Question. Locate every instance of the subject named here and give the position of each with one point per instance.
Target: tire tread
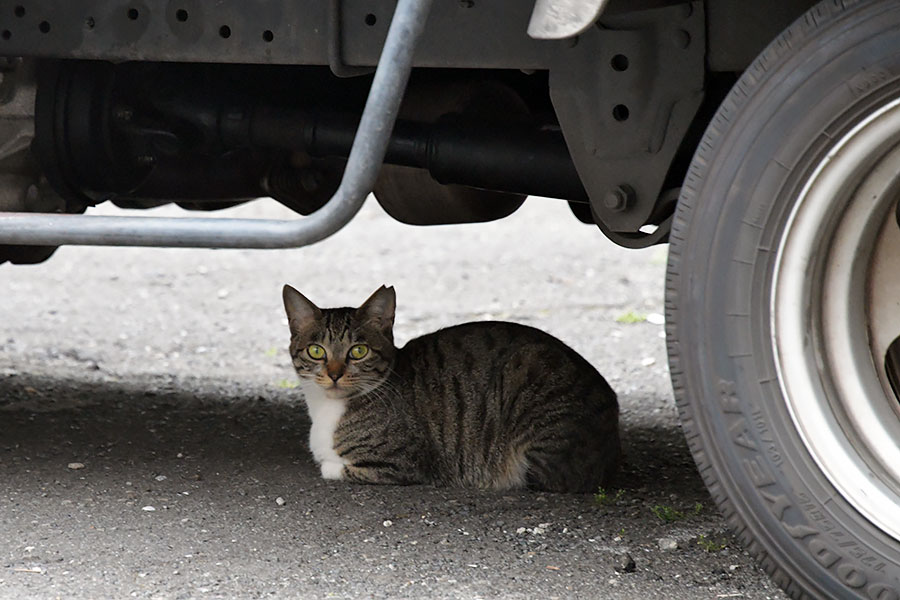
(823, 15)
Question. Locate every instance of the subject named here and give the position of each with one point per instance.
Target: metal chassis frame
(362, 169)
(346, 34)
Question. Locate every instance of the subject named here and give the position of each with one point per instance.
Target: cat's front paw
(332, 470)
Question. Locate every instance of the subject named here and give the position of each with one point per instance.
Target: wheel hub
(836, 310)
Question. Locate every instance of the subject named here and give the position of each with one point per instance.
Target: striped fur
(486, 405)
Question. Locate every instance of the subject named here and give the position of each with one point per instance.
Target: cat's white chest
(325, 414)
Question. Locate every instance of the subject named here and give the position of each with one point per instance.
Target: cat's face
(344, 351)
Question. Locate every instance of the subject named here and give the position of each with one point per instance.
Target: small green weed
(698, 508)
(605, 498)
(272, 352)
(631, 317)
(286, 384)
(710, 545)
(666, 514)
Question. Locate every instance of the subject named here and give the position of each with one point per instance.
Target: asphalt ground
(152, 441)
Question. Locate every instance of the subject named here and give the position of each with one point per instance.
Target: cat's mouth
(334, 389)
(342, 389)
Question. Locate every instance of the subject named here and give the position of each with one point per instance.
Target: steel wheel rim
(830, 316)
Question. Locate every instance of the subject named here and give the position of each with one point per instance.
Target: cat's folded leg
(379, 474)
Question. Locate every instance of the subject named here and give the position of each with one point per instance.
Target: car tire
(779, 294)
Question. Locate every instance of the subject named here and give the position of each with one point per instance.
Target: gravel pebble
(668, 544)
(76, 466)
(279, 501)
(148, 508)
(656, 319)
(625, 563)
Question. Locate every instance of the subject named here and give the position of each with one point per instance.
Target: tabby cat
(486, 405)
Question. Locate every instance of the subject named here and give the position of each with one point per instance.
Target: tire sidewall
(771, 131)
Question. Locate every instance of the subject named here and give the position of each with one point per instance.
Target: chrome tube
(362, 168)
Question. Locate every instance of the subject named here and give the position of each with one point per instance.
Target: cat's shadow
(45, 419)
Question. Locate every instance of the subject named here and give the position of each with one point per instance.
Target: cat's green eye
(359, 351)
(315, 351)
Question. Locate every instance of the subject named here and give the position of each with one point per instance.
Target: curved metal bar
(363, 165)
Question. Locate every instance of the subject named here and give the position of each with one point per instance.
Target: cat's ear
(300, 311)
(380, 306)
